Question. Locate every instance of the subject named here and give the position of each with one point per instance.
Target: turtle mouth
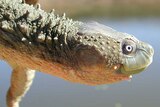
(131, 72)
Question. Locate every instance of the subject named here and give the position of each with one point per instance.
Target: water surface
(142, 91)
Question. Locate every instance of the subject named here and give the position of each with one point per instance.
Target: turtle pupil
(127, 49)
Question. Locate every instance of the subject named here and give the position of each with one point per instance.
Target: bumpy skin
(87, 53)
(60, 41)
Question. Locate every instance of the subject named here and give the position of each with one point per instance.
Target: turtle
(81, 52)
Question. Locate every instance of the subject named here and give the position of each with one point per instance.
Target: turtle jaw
(139, 62)
(122, 70)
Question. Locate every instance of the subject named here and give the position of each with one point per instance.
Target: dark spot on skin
(92, 37)
(100, 37)
(80, 33)
(85, 37)
(79, 38)
(118, 42)
(108, 42)
(89, 39)
(95, 40)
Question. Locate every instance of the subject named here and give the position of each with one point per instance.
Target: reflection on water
(142, 91)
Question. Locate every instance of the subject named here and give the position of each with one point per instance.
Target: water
(142, 91)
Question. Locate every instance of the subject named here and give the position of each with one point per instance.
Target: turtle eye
(128, 47)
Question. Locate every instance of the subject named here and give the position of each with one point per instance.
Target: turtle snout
(149, 49)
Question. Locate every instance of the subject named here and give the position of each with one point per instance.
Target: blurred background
(138, 17)
(104, 8)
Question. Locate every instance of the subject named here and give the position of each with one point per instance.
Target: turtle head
(136, 55)
(118, 48)
(105, 55)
